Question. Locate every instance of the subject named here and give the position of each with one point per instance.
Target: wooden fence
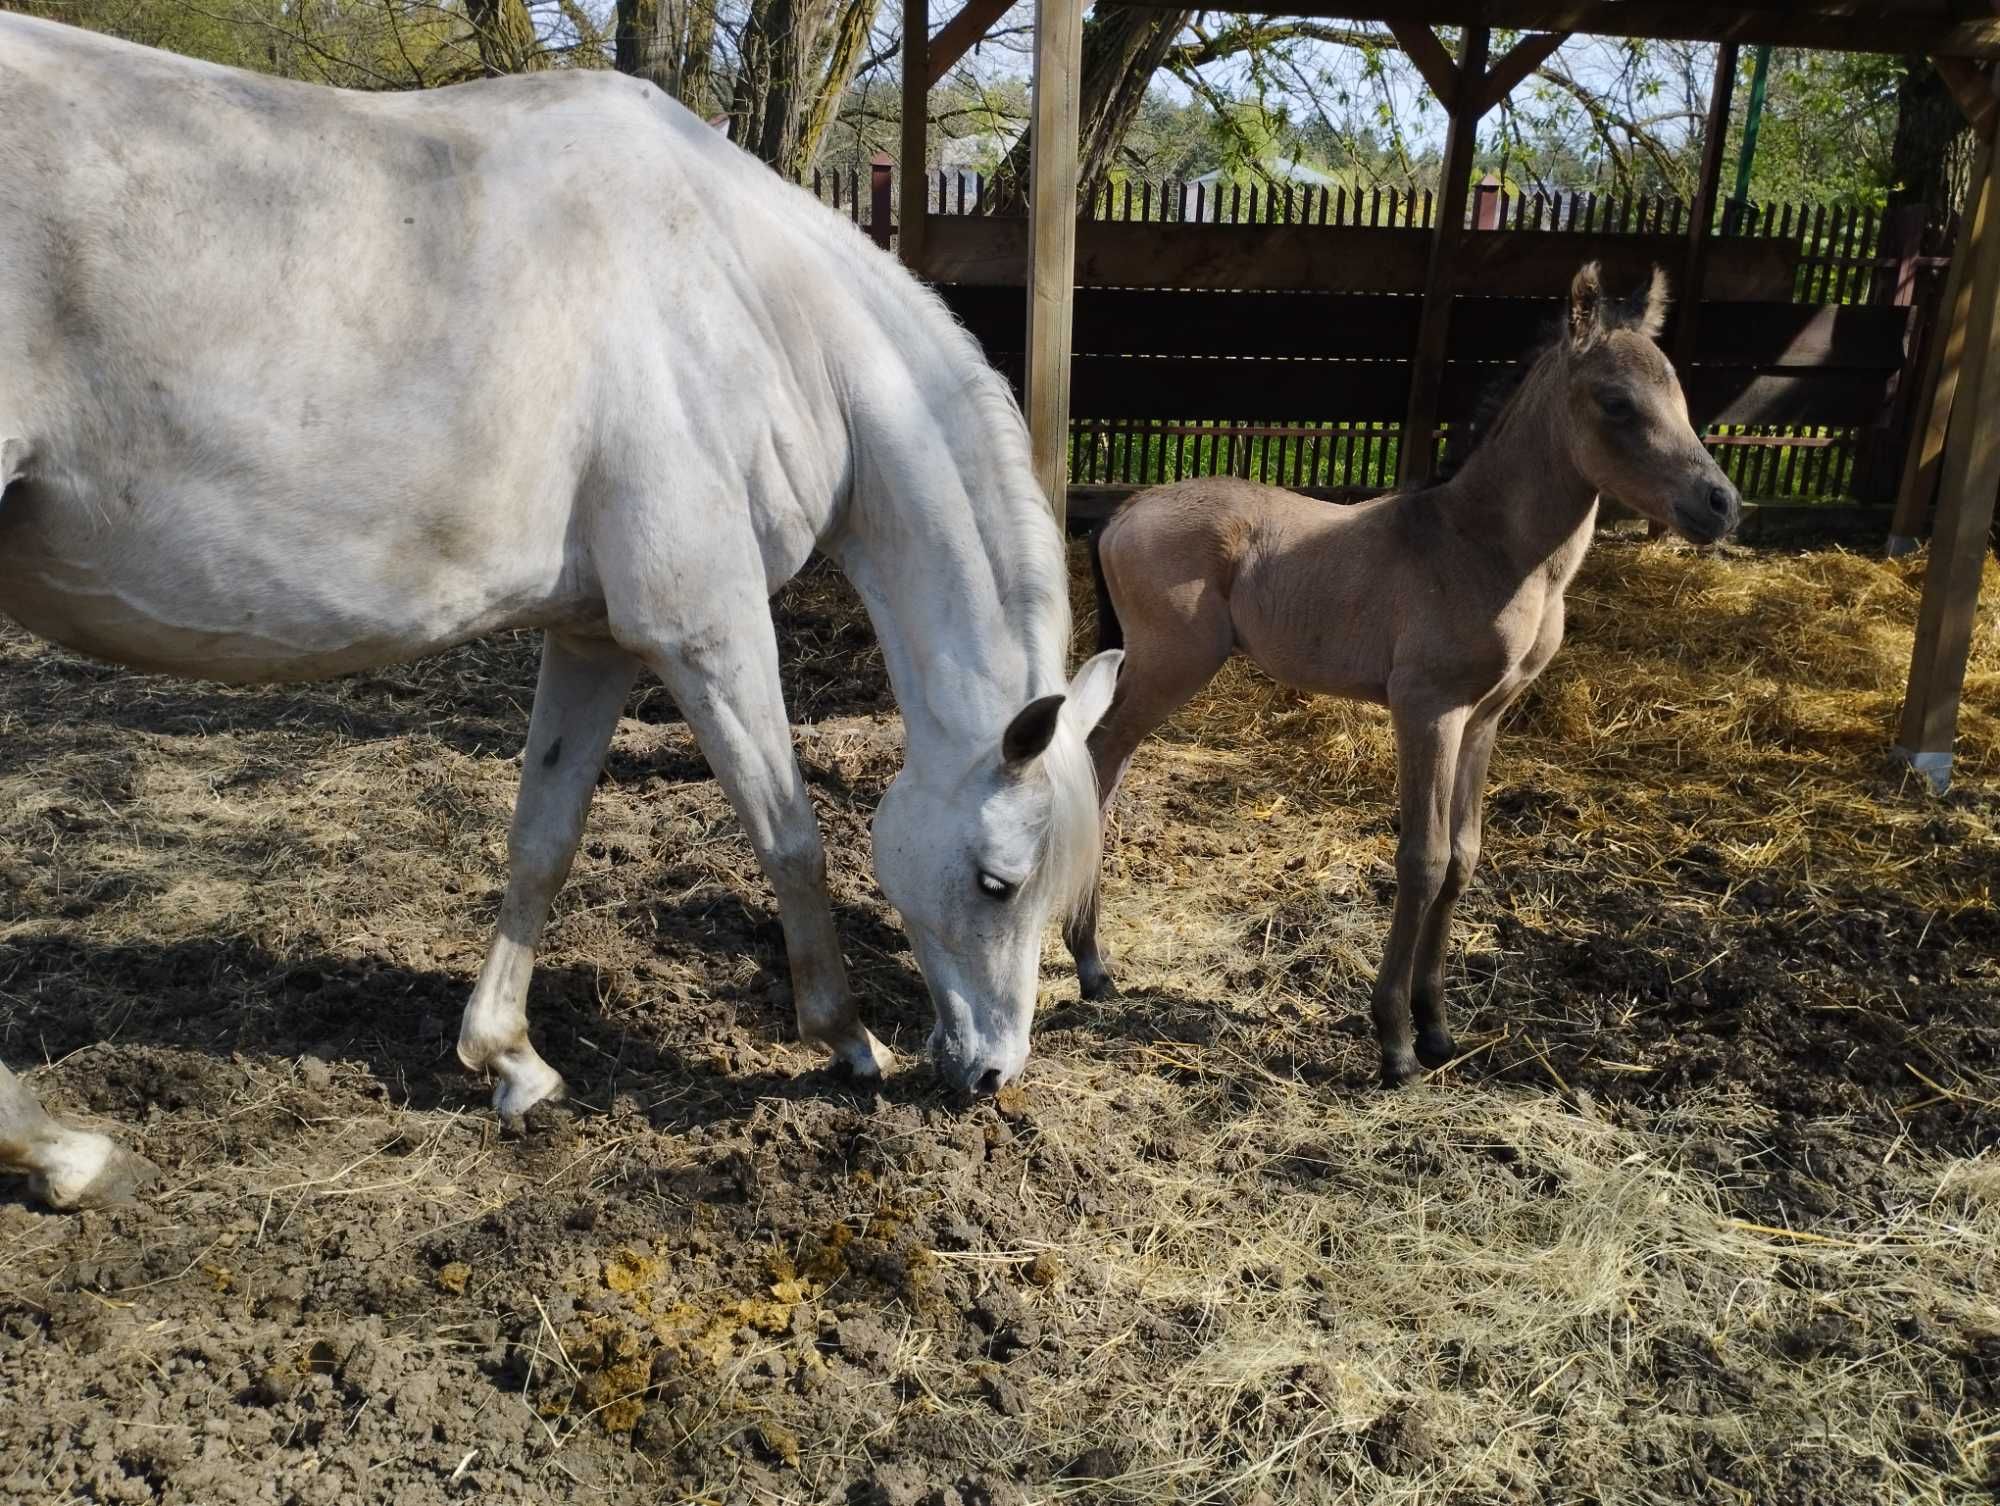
(1266, 331)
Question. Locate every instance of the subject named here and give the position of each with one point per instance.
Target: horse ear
(1028, 736)
(1586, 306)
(1653, 304)
(13, 460)
(1091, 691)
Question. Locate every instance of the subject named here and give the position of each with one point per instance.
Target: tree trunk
(506, 36)
(1925, 149)
(697, 75)
(850, 42)
(1123, 47)
(642, 48)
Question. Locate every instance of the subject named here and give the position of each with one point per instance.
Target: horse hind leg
(67, 1168)
(578, 699)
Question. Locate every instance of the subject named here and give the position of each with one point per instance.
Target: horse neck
(1520, 492)
(958, 561)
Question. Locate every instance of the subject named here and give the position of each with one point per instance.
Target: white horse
(295, 382)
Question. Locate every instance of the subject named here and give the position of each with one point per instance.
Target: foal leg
(720, 660)
(577, 701)
(1427, 744)
(1166, 663)
(67, 1168)
(1435, 1046)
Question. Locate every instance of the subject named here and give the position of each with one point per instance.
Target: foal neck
(1519, 492)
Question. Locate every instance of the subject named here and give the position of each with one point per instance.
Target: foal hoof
(1436, 1048)
(1400, 1071)
(96, 1172)
(1096, 985)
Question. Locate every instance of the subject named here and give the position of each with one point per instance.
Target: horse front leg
(1435, 1045)
(578, 699)
(720, 661)
(66, 1168)
(1427, 744)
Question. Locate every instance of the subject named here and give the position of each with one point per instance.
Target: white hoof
(90, 1171)
(525, 1080)
(864, 1056)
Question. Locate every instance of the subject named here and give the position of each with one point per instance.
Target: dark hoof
(1400, 1071)
(1097, 986)
(1436, 1048)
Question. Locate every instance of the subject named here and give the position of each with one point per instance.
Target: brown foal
(1442, 603)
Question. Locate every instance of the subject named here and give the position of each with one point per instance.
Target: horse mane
(1019, 538)
(1489, 411)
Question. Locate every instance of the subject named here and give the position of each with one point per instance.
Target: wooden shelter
(1958, 462)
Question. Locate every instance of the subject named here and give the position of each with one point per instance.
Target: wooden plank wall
(1268, 333)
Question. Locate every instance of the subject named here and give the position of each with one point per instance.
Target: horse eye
(995, 887)
(1616, 405)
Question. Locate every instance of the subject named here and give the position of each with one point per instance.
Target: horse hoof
(1096, 986)
(1436, 1048)
(864, 1058)
(1400, 1071)
(96, 1172)
(521, 1089)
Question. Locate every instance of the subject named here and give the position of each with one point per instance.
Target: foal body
(1442, 603)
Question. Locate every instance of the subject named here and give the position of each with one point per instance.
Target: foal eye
(1616, 405)
(995, 887)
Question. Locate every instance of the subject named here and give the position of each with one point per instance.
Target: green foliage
(365, 44)
(1828, 125)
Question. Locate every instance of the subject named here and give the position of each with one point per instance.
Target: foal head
(1628, 431)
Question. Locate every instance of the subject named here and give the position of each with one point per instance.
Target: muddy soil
(1720, 1158)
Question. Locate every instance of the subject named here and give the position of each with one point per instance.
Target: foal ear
(1091, 691)
(1028, 736)
(1586, 306)
(1652, 305)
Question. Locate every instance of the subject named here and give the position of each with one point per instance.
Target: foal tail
(1110, 632)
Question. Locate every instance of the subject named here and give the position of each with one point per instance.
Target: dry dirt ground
(1709, 1212)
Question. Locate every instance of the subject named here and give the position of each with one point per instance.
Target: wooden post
(1895, 286)
(1486, 204)
(1694, 266)
(916, 133)
(1933, 411)
(881, 200)
(1694, 263)
(1966, 492)
(1057, 109)
(1418, 446)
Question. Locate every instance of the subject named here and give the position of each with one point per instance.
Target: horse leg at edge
(67, 1168)
(1162, 673)
(1435, 1045)
(578, 699)
(723, 672)
(1427, 744)
(1080, 929)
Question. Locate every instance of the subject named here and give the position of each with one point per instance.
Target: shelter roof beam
(1431, 60)
(1966, 28)
(1522, 59)
(961, 34)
